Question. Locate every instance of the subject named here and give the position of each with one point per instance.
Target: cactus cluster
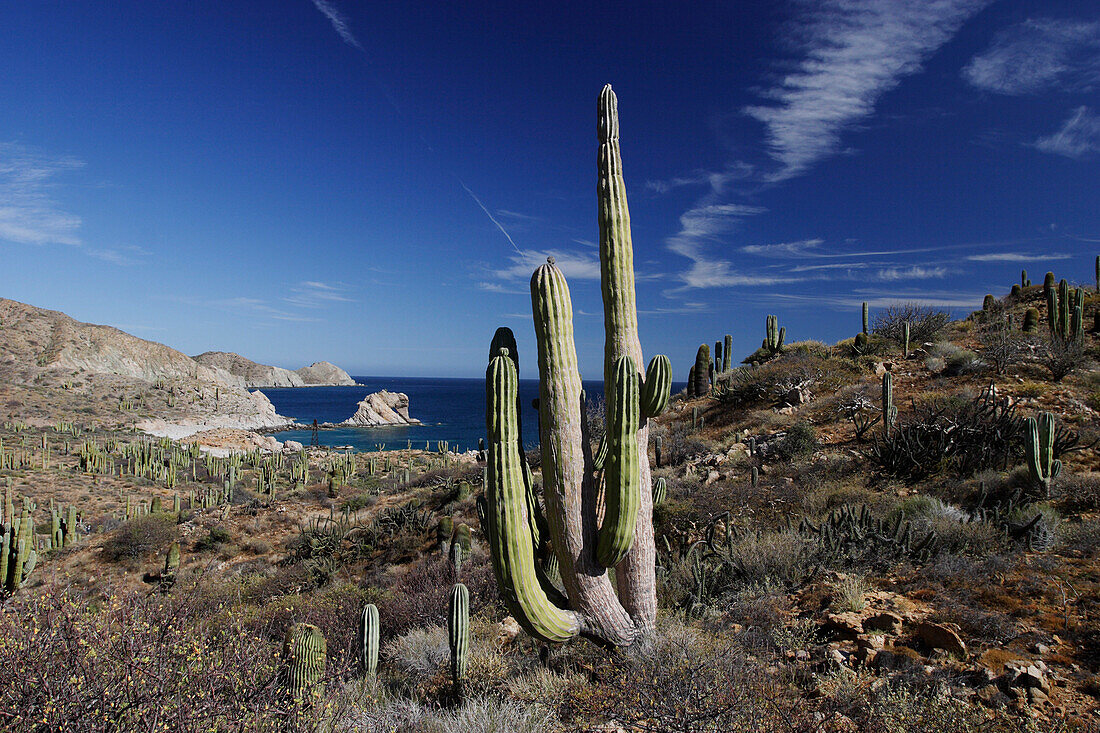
(1042, 466)
(849, 532)
(580, 547)
(1065, 312)
(17, 553)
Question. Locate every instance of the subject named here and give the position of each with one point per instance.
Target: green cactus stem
(458, 631)
(1048, 284)
(658, 442)
(371, 631)
(866, 329)
(1024, 281)
(172, 559)
(660, 491)
(775, 336)
(727, 352)
(1031, 320)
(701, 371)
(905, 340)
(304, 652)
(657, 387)
(889, 411)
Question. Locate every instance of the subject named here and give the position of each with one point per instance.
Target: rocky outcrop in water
(325, 374)
(382, 408)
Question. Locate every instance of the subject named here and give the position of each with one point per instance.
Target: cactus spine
(594, 609)
(727, 352)
(458, 631)
(371, 631)
(1042, 466)
(304, 651)
(702, 371)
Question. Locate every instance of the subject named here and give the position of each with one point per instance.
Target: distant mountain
(320, 373)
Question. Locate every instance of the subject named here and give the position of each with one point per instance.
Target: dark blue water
(451, 409)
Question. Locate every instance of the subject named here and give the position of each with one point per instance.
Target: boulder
(292, 446)
(382, 408)
(941, 636)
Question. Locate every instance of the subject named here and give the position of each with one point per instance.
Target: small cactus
(1031, 320)
(866, 330)
(1042, 466)
(727, 352)
(371, 631)
(889, 411)
(458, 631)
(660, 491)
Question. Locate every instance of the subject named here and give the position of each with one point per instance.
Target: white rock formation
(382, 408)
(324, 374)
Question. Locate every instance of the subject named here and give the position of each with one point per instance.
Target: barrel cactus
(581, 547)
(1031, 320)
(304, 652)
(458, 631)
(371, 630)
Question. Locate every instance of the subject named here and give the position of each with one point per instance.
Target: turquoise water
(451, 409)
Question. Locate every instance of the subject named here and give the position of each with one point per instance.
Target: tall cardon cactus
(1042, 466)
(727, 352)
(701, 373)
(609, 614)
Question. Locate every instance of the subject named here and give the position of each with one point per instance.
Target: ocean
(452, 410)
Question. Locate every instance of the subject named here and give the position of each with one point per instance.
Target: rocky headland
(252, 374)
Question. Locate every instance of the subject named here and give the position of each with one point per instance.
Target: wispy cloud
(1079, 136)
(800, 248)
(574, 265)
(879, 299)
(338, 21)
(916, 272)
(29, 213)
(315, 294)
(1016, 257)
(127, 254)
(716, 180)
(854, 52)
(704, 225)
(1039, 55)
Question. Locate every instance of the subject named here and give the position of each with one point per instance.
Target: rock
(292, 446)
(507, 631)
(847, 625)
(887, 621)
(940, 636)
(712, 476)
(382, 408)
(253, 374)
(323, 373)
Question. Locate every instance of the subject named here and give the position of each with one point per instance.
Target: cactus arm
(568, 481)
(622, 474)
(657, 387)
(509, 527)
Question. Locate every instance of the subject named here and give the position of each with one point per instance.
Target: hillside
(815, 572)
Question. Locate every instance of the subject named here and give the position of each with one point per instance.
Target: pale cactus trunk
(635, 575)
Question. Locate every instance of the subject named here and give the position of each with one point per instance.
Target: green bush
(140, 537)
(800, 441)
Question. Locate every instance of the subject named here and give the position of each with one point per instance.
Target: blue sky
(373, 183)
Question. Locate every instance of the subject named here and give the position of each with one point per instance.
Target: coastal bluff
(253, 374)
(382, 408)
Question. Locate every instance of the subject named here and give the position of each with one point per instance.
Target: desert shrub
(1032, 390)
(799, 442)
(1082, 537)
(214, 539)
(1062, 357)
(848, 593)
(962, 361)
(131, 663)
(966, 436)
(1079, 491)
(680, 442)
(419, 652)
(924, 322)
(810, 369)
(416, 595)
(140, 537)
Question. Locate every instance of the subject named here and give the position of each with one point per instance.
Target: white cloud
(128, 254)
(1079, 136)
(717, 181)
(29, 214)
(801, 248)
(1038, 55)
(574, 265)
(338, 21)
(916, 272)
(315, 294)
(1016, 257)
(855, 51)
(702, 225)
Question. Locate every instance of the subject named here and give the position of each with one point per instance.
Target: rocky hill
(54, 368)
(252, 374)
(323, 373)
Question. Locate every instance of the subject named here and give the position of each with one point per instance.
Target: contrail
(491, 218)
(340, 25)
